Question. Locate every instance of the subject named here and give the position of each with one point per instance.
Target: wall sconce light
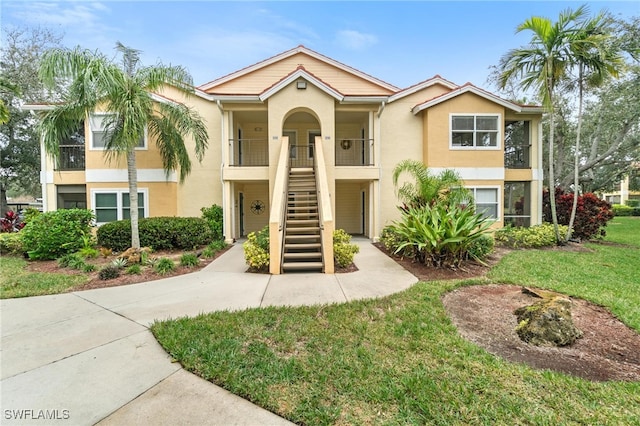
(301, 84)
(257, 129)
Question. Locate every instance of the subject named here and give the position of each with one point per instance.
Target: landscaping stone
(547, 322)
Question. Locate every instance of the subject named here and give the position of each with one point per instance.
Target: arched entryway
(301, 127)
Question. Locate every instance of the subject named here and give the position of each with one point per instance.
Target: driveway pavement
(88, 357)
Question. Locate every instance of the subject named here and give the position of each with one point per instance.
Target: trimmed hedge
(625, 210)
(159, 233)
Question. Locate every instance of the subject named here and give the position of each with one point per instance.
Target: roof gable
(301, 73)
(470, 88)
(436, 79)
(257, 78)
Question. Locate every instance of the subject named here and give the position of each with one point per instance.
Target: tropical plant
(164, 266)
(11, 222)
(343, 250)
(542, 65)
(592, 213)
(134, 270)
(213, 215)
(256, 249)
(596, 58)
(439, 235)
(96, 82)
(109, 272)
(119, 262)
(427, 188)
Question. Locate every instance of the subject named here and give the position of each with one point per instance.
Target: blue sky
(402, 43)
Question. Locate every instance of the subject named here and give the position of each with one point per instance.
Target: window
(475, 131)
(112, 205)
(517, 204)
(486, 201)
(99, 124)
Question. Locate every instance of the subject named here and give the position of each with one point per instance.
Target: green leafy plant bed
(22, 278)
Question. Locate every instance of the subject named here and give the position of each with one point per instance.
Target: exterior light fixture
(301, 84)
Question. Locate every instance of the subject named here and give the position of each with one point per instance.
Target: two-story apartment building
(306, 144)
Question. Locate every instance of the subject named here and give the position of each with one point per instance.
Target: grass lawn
(17, 281)
(399, 360)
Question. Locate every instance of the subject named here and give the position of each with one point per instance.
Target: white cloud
(76, 14)
(355, 40)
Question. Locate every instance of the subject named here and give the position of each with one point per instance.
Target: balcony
(517, 157)
(248, 152)
(71, 158)
(354, 152)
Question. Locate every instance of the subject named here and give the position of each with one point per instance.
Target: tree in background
(21, 52)
(125, 91)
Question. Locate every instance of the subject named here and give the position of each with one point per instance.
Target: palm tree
(8, 87)
(542, 66)
(428, 189)
(96, 82)
(596, 59)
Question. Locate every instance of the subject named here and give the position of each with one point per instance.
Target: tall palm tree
(125, 91)
(542, 65)
(427, 188)
(596, 59)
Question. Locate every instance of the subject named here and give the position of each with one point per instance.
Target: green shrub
(189, 260)
(343, 250)
(134, 269)
(531, 237)
(53, 234)
(72, 260)
(208, 252)
(88, 252)
(159, 233)
(633, 203)
(164, 266)
(622, 210)
(11, 243)
(213, 216)
(391, 240)
(88, 267)
(256, 249)
(439, 235)
(481, 247)
(109, 272)
(217, 245)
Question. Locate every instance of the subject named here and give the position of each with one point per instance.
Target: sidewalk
(88, 357)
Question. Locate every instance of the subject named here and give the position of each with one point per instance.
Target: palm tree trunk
(132, 173)
(552, 178)
(576, 164)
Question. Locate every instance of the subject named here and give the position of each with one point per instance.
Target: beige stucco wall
(162, 195)
(348, 202)
(258, 191)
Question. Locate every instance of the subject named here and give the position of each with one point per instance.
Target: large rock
(547, 322)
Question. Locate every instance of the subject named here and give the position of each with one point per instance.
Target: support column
(228, 216)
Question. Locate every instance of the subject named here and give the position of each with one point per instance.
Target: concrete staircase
(302, 242)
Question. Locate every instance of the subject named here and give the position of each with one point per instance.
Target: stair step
(302, 266)
(307, 215)
(303, 255)
(301, 170)
(302, 237)
(295, 222)
(301, 246)
(303, 230)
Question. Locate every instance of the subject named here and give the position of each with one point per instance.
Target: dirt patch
(609, 350)
(147, 273)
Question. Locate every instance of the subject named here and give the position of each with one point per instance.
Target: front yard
(400, 360)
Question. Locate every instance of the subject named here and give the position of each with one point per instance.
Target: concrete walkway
(88, 357)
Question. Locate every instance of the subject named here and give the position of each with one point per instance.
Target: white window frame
(475, 115)
(119, 206)
(498, 201)
(91, 130)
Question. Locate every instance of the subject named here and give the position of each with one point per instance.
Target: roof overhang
(422, 85)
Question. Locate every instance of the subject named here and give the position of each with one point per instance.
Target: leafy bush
(160, 233)
(119, 262)
(88, 267)
(592, 213)
(134, 270)
(164, 266)
(11, 222)
(11, 243)
(633, 203)
(213, 216)
(72, 260)
(481, 247)
(256, 249)
(622, 210)
(531, 237)
(53, 234)
(343, 250)
(391, 240)
(109, 272)
(439, 235)
(189, 260)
